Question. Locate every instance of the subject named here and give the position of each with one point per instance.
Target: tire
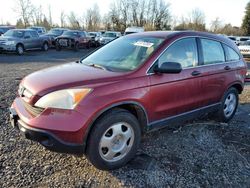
(108, 149)
(20, 49)
(45, 46)
(58, 47)
(76, 47)
(88, 45)
(229, 105)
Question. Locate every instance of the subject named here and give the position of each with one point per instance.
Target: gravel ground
(200, 153)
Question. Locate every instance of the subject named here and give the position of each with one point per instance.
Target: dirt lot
(202, 153)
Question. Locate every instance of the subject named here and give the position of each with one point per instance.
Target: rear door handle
(195, 73)
(227, 68)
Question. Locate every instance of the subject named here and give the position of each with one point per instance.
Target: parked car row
(33, 38)
(239, 40)
(20, 40)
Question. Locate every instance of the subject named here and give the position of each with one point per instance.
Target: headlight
(10, 42)
(63, 99)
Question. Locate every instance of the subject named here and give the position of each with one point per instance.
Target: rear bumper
(45, 138)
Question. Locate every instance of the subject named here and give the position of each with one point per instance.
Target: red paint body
(161, 95)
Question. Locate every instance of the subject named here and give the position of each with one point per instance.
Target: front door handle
(195, 73)
(227, 68)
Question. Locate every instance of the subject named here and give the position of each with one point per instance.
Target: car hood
(4, 38)
(67, 76)
(108, 38)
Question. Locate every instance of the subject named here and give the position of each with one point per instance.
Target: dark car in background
(38, 29)
(4, 29)
(141, 82)
(55, 32)
(73, 39)
(21, 40)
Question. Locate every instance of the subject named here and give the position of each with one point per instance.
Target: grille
(35, 111)
(244, 50)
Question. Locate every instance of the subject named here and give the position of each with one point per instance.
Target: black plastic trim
(182, 117)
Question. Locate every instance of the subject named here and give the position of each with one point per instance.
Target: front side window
(183, 51)
(212, 52)
(124, 54)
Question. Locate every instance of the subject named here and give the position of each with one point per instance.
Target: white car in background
(242, 40)
(109, 36)
(133, 29)
(234, 39)
(244, 48)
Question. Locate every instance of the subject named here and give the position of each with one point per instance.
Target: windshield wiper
(97, 66)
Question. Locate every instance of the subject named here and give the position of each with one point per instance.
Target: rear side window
(34, 34)
(212, 51)
(231, 54)
(183, 51)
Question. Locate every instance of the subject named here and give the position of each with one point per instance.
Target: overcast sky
(229, 11)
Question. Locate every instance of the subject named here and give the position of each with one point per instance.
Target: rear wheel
(114, 140)
(45, 46)
(76, 47)
(229, 105)
(19, 49)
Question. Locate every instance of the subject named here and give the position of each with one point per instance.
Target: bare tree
(38, 15)
(73, 21)
(24, 9)
(62, 19)
(93, 18)
(216, 25)
(50, 16)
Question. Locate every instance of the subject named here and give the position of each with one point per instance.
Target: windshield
(14, 33)
(55, 32)
(70, 33)
(124, 54)
(246, 43)
(109, 34)
(92, 34)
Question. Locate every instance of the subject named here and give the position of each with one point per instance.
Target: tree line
(150, 14)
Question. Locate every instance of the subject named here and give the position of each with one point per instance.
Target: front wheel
(20, 49)
(114, 140)
(229, 105)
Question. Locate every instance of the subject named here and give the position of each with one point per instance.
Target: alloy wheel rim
(230, 105)
(20, 49)
(46, 47)
(116, 142)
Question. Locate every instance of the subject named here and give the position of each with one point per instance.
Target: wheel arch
(19, 43)
(133, 107)
(239, 86)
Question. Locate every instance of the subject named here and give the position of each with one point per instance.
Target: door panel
(173, 94)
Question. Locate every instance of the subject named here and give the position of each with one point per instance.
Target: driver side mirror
(168, 67)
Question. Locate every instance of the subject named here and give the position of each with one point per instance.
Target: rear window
(212, 51)
(231, 54)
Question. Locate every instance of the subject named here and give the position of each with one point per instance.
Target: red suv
(102, 104)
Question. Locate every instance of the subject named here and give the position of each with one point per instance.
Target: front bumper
(7, 48)
(54, 130)
(45, 138)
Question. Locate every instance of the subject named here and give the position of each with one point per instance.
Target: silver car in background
(21, 40)
(109, 36)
